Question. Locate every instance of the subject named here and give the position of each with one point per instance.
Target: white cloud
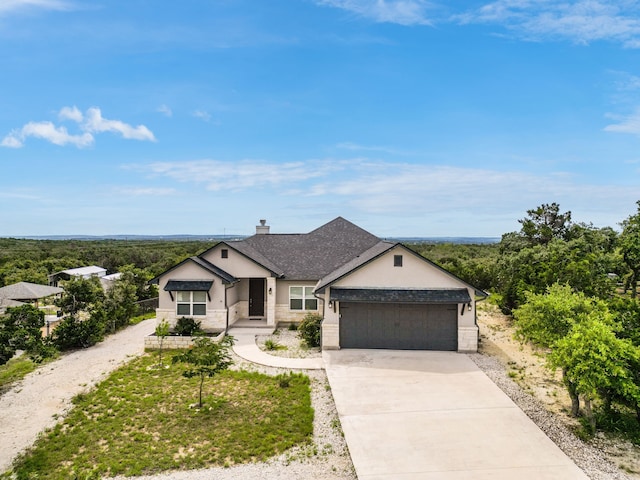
(94, 122)
(70, 113)
(628, 124)
(202, 115)
(46, 131)
(355, 147)
(395, 188)
(89, 124)
(145, 191)
(236, 176)
(581, 21)
(11, 6)
(165, 110)
(403, 12)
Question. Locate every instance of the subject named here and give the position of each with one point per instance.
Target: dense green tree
(80, 294)
(120, 301)
(20, 329)
(630, 248)
(547, 318)
(544, 223)
(595, 361)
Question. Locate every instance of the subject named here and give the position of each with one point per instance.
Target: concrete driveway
(410, 415)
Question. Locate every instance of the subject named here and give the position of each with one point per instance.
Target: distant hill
(216, 238)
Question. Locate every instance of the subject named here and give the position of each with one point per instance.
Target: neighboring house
(85, 272)
(16, 294)
(371, 293)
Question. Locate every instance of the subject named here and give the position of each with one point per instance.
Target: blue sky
(407, 117)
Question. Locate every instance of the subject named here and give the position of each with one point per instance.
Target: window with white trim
(301, 298)
(191, 303)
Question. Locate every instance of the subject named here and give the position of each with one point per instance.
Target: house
(85, 272)
(80, 272)
(371, 293)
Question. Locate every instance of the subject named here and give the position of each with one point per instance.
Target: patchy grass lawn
(14, 370)
(139, 421)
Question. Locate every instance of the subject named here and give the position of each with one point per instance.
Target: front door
(256, 297)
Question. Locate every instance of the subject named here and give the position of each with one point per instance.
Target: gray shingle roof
(308, 256)
(188, 286)
(404, 295)
(210, 267)
(28, 291)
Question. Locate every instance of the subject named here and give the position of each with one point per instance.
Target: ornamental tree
(205, 359)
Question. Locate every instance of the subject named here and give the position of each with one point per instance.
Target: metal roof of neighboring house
(111, 277)
(401, 295)
(308, 256)
(28, 291)
(81, 271)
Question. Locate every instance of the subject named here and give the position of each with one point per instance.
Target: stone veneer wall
(173, 342)
(468, 339)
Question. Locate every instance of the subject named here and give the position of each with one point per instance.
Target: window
(191, 303)
(397, 260)
(301, 298)
(224, 253)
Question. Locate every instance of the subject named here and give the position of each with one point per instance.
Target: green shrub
(292, 327)
(73, 333)
(186, 326)
(309, 329)
(271, 344)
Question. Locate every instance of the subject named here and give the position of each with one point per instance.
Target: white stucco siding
(414, 273)
(236, 264)
(215, 317)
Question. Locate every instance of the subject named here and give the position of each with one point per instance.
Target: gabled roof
(201, 262)
(373, 253)
(28, 291)
(307, 256)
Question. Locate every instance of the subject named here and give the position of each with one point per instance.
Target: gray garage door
(398, 326)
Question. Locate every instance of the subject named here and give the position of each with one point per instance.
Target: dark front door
(256, 297)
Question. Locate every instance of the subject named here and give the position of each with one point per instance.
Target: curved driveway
(410, 415)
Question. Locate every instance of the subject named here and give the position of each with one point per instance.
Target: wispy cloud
(581, 21)
(355, 147)
(403, 12)
(11, 6)
(392, 187)
(145, 191)
(625, 124)
(90, 123)
(236, 176)
(202, 115)
(165, 110)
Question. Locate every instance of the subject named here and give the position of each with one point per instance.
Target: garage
(400, 319)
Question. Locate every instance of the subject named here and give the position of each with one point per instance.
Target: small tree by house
(162, 330)
(205, 359)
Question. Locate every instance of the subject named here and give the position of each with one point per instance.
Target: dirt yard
(527, 367)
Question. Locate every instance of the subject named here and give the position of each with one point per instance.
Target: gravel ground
(43, 396)
(327, 458)
(588, 458)
(292, 346)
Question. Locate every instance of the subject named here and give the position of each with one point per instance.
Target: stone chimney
(263, 228)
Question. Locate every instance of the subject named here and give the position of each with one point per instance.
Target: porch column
(271, 301)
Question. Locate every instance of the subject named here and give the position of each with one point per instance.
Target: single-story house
(370, 292)
(85, 272)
